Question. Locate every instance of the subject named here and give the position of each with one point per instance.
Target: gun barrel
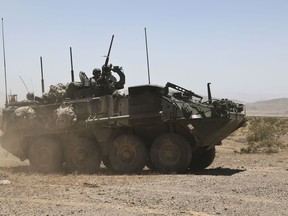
(107, 58)
(110, 45)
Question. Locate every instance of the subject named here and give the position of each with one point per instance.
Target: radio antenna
(72, 70)
(24, 84)
(42, 79)
(5, 74)
(147, 56)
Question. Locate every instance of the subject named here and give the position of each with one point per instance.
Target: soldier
(96, 76)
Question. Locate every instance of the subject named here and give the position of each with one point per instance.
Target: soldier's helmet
(96, 72)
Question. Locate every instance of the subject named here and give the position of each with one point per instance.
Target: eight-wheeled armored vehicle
(76, 126)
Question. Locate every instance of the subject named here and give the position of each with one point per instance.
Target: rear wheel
(202, 158)
(171, 153)
(128, 154)
(82, 156)
(46, 155)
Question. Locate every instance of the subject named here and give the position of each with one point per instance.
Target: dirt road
(235, 184)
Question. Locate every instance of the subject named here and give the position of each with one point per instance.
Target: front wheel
(45, 155)
(171, 153)
(202, 158)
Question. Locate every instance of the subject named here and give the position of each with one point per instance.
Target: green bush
(265, 133)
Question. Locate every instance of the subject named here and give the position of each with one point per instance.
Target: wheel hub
(126, 153)
(80, 156)
(168, 154)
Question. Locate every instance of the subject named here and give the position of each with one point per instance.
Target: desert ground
(235, 184)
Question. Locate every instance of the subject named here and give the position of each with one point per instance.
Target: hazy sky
(240, 46)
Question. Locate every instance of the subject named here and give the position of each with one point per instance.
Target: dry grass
(266, 134)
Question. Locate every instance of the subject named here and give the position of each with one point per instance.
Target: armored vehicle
(76, 126)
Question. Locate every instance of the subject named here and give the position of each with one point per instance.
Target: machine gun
(106, 69)
(185, 92)
(107, 82)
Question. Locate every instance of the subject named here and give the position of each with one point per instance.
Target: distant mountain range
(274, 107)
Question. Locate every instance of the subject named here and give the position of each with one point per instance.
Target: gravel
(235, 184)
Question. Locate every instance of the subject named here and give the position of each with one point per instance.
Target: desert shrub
(265, 133)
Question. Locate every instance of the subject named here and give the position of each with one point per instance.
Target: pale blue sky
(240, 46)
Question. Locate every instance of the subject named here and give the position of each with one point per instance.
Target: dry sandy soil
(235, 184)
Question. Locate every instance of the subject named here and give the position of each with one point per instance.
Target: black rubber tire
(171, 153)
(46, 155)
(82, 156)
(202, 158)
(128, 154)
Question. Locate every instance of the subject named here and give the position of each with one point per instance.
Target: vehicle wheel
(46, 155)
(171, 153)
(128, 154)
(202, 158)
(82, 156)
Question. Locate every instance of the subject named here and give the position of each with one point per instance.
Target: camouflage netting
(56, 93)
(24, 117)
(65, 116)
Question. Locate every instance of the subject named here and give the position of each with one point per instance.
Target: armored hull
(166, 128)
